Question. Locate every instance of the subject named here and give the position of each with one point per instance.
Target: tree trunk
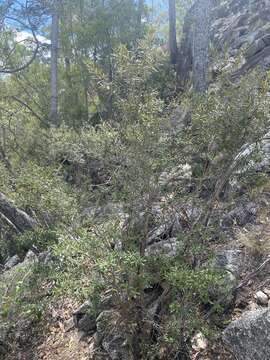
(16, 217)
(140, 14)
(172, 33)
(54, 65)
(201, 40)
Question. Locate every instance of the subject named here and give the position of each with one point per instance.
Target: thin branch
(28, 108)
(10, 223)
(35, 40)
(20, 68)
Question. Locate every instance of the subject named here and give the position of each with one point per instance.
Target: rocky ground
(69, 331)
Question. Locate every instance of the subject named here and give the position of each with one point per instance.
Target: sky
(24, 35)
(158, 5)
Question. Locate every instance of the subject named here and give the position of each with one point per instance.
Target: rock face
(243, 26)
(235, 27)
(249, 337)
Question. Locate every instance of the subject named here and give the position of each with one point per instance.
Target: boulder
(115, 209)
(229, 260)
(30, 256)
(17, 218)
(249, 337)
(84, 319)
(165, 247)
(243, 214)
(112, 337)
(11, 262)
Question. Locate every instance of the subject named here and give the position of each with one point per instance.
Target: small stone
(261, 298)
(199, 342)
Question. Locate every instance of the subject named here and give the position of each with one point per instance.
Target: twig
(253, 274)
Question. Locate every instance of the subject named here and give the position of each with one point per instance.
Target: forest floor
(52, 338)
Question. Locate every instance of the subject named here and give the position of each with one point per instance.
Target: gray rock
(258, 46)
(103, 211)
(249, 337)
(107, 302)
(199, 342)
(165, 247)
(237, 27)
(87, 324)
(229, 260)
(241, 215)
(84, 318)
(261, 298)
(111, 336)
(11, 262)
(30, 256)
(266, 39)
(45, 257)
(17, 217)
(157, 234)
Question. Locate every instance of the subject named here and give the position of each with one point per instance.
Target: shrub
(42, 193)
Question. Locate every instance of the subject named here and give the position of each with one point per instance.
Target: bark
(172, 32)
(18, 218)
(193, 59)
(54, 65)
(201, 41)
(140, 14)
